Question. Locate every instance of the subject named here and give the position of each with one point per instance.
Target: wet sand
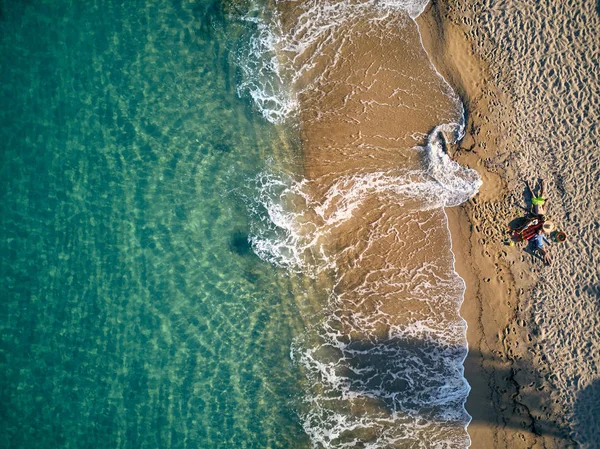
(368, 96)
(528, 76)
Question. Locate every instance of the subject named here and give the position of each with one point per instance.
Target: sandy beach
(528, 79)
(379, 100)
(284, 224)
(385, 362)
(528, 76)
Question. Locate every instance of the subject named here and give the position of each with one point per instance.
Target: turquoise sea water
(133, 311)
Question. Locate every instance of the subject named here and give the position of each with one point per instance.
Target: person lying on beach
(526, 222)
(539, 203)
(538, 243)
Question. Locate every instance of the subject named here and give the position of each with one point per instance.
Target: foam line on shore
(380, 230)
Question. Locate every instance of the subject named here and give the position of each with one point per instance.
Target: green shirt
(538, 200)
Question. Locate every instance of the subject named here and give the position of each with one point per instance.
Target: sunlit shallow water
(134, 312)
(174, 272)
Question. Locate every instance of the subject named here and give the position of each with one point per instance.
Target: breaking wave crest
(263, 77)
(275, 61)
(291, 228)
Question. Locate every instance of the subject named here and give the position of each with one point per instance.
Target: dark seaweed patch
(240, 244)
(222, 148)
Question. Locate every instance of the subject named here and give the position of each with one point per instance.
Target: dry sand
(530, 78)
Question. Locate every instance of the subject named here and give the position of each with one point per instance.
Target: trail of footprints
(543, 57)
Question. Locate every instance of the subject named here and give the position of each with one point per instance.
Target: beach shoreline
(485, 307)
(513, 402)
(533, 378)
(374, 96)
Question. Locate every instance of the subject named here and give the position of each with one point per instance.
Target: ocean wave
(275, 61)
(383, 358)
(284, 230)
(263, 77)
(371, 378)
(291, 227)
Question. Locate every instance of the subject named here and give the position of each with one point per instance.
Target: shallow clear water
(142, 175)
(133, 310)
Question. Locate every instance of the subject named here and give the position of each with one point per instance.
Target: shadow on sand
(587, 416)
(383, 371)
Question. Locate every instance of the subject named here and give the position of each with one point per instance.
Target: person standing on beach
(538, 242)
(538, 203)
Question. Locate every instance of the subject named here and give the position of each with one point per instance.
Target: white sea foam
(411, 379)
(291, 227)
(283, 231)
(458, 183)
(270, 72)
(404, 387)
(263, 78)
